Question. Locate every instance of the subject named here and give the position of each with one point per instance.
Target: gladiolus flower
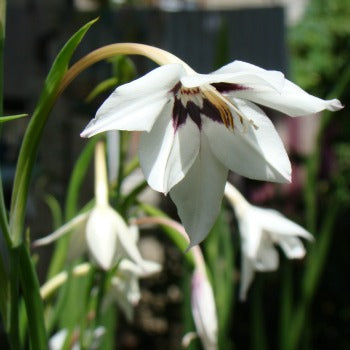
(197, 127)
(101, 230)
(260, 230)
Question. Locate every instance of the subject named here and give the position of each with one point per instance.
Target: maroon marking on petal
(179, 114)
(211, 111)
(176, 88)
(194, 113)
(228, 87)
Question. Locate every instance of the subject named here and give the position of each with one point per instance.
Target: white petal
(134, 233)
(162, 78)
(165, 154)
(136, 105)
(101, 236)
(77, 244)
(240, 66)
(77, 221)
(251, 234)
(146, 268)
(198, 196)
(150, 268)
(247, 276)
(292, 246)
(56, 342)
(291, 100)
(256, 152)
(121, 293)
(271, 79)
(132, 113)
(127, 246)
(267, 257)
(278, 224)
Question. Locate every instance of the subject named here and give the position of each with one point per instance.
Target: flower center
(195, 102)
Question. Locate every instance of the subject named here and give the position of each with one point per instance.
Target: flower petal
(165, 154)
(127, 246)
(279, 225)
(267, 257)
(292, 246)
(101, 236)
(198, 196)
(77, 221)
(251, 233)
(287, 97)
(291, 100)
(247, 276)
(245, 78)
(136, 105)
(256, 152)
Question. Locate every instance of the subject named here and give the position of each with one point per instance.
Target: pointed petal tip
(334, 105)
(191, 245)
(88, 132)
(84, 134)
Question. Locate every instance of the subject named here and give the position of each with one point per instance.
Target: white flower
(197, 127)
(101, 230)
(260, 230)
(125, 284)
(93, 337)
(204, 310)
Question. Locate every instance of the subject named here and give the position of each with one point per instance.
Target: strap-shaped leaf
(34, 131)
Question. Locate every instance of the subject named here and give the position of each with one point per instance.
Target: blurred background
(308, 40)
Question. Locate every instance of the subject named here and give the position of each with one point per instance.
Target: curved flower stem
(153, 53)
(195, 251)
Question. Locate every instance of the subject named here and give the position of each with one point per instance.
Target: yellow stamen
(214, 97)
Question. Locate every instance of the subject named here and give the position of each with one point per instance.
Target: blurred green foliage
(320, 45)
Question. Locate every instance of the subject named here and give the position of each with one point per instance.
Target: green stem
(2, 43)
(314, 160)
(14, 300)
(31, 294)
(123, 144)
(258, 330)
(317, 260)
(312, 275)
(286, 304)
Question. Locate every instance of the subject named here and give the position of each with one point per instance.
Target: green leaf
(12, 117)
(220, 261)
(55, 210)
(105, 85)
(34, 131)
(34, 307)
(4, 293)
(71, 205)
(77, 177)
